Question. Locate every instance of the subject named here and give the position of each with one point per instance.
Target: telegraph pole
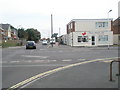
(59, 32)
(52, 29)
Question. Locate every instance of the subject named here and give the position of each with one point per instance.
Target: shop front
(90, 38)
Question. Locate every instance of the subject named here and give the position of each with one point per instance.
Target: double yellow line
(50, 72)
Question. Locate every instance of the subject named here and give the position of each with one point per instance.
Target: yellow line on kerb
(51, 71)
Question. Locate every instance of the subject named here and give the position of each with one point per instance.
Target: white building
(89, 32)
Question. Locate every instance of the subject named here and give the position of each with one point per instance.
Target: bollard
(111, 68)
(111, 71)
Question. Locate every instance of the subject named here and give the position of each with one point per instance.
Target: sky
(37, 13)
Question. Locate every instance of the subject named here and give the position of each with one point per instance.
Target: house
(63, 39)
(116, 28)
(10, 32)
(2, 34)
(116, 31)
(89, 32)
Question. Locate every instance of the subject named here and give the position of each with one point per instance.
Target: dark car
(30, 45)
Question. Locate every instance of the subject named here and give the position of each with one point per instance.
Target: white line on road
(14, 61)
(43, 65)
(66, 60)
(34, 56)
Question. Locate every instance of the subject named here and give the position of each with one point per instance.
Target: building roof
(5, 26)
(91, 19)
(78, 20)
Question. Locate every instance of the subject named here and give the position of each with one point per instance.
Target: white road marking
(28, 61)
(43, 65)
(66, 60)
(14, 61)
(34, 56)
(43, 49)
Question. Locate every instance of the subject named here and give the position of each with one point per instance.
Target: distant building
(116, 31)
(63, 39)
(2, 34)
(89, 32)
(10, 33)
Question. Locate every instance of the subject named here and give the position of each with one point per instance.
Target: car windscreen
(30, 43)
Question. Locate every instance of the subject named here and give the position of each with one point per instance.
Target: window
(119, 37)
(79, 38)
(71, 25)
(82, 38)
(101, 24)
(103, 37)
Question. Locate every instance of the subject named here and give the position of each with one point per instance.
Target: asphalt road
(19, 64)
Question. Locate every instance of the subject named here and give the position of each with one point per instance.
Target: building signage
(96, 32)
(84, 33)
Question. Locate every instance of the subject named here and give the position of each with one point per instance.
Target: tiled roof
(5, 26)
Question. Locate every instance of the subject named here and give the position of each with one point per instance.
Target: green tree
(33, 34)
(21, 33)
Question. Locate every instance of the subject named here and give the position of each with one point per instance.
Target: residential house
(116, 31)
(89, 32)
(2, 33)
(10, 32)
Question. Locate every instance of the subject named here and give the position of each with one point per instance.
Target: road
(19, 64)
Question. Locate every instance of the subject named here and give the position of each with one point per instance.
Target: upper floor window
(101, 24)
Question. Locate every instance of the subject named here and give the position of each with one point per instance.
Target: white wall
(9, 32)
(89, 43)
(90, 25)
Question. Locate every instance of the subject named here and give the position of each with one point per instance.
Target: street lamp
(52, 29)
(108, 30)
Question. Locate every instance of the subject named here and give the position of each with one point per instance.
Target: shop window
(82, 38)
(103, 37)
(79, 38)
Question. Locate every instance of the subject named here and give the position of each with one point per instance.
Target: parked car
(44, 42)
(30, 45)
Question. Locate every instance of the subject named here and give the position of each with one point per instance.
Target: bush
(10, 43)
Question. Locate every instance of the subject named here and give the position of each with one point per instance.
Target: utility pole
(108, 30)
(59, 32)
(52, 29)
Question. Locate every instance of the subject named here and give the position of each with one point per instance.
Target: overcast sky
(37, 13)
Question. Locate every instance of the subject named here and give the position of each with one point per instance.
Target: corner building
(89, 32)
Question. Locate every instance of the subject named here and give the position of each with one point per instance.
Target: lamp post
(52, 29)
(108, 28)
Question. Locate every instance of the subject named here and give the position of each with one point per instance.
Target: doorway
(93, 40)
